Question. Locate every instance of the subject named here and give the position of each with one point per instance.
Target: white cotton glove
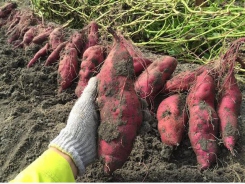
(78, 138)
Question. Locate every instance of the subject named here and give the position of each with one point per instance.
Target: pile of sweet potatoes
(204, 103)
(212, 102)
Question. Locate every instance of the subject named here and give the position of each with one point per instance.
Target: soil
(33, 113)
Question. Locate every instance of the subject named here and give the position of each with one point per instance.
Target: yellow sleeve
(49, 167)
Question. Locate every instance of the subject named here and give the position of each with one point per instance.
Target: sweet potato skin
(183, 81)
(89, 67)
(55, 54)
(172, 119)
(68, 67)
(203, 125)
(42, 52)
(120, 108)
(140, 64)
(152, 80)
(43, 35)
(7, 8)
(228, 111)
(203, 120)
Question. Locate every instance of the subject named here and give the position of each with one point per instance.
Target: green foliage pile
(175, 27)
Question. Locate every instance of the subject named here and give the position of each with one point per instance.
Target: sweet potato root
(91, 60)
(68, 67)
(26, 20)
(93, 34)
(228, 111)
(120, 108)
(140, 64)
(77, 38)
(152, 80)
(43, 34)
(55, 54)
(28, 36)
(172, 119)
(55, 39)
(42, 52)
(183, 81)
(203, 120)
(6, 9)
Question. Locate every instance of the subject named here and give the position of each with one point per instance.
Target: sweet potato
(55, 39)
(55, 54)
(6, 9)
(12, 21)
(183, 81)
(43, 34)
(172, 119)
(119, 106)
(42, 52)
(152, 80)
(91, 60)
(93, 34)
(203, 120)
(28, 36)
(77, 38)
(229, 105)
(68, 67)
(140, 64)
(90, 36)
(26, 20)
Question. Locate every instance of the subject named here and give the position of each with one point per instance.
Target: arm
(51, 166)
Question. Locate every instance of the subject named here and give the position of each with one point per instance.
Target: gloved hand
(78, 138)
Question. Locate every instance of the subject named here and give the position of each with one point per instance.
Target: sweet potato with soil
(55, 54)
(90, 35)
(203, 120)
(42, 52)
(28, 36)
(12, 21)
(119, 106)
(172, 119)
(76, 39)
(183, 81)
(68, 67)
(43, 34)
(27, 19)
(55, 38)
(229, 105)
(6, 9)
(91, 60)
(140, 64)
(152, 80)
